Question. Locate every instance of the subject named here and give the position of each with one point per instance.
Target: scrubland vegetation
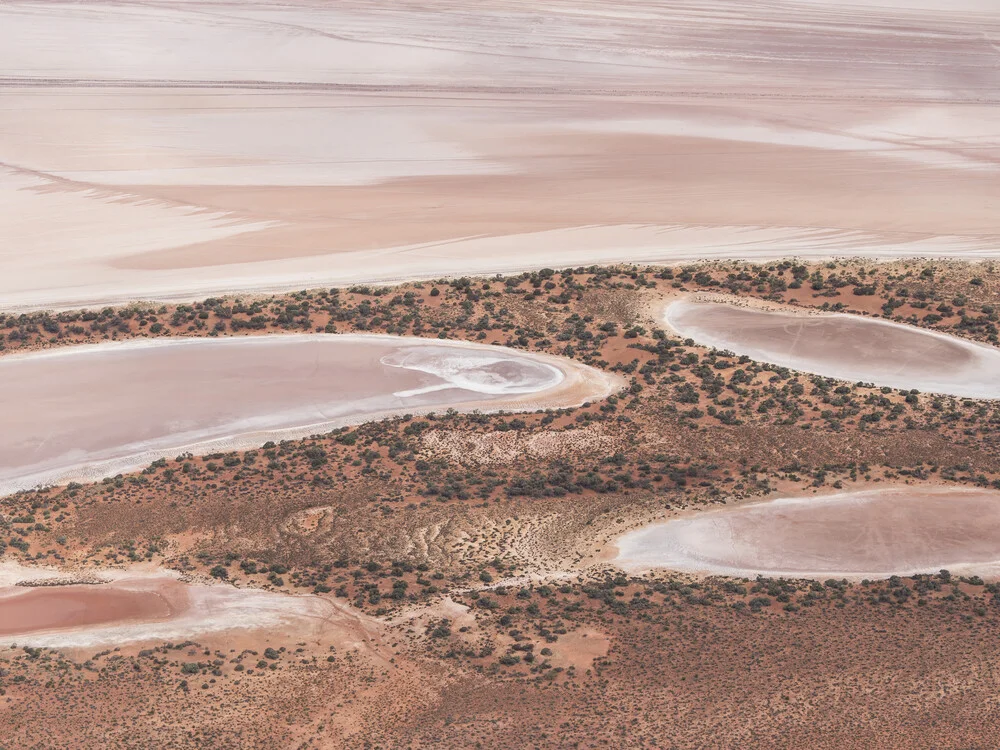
(506, 516)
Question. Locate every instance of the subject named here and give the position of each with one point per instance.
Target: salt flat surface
(180, 149)
(872, 533)
(847, 347)
(132, 607)
(92, 411)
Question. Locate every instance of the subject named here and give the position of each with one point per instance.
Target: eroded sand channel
(91, 411)
(847, 347)
(873, 533)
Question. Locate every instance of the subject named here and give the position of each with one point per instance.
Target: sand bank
(265, 146)
(92, 411)
(847, 347)
(872, 533)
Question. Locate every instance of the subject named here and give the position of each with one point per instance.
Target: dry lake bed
(96, 410)
(846, 347)
(866, 534)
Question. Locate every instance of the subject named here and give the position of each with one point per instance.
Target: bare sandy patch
(90, 411)
(868, 533)
(498, 448)
(579, 649)
(847, 347)
(460, 619)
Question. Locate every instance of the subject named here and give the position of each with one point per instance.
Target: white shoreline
(353, 268)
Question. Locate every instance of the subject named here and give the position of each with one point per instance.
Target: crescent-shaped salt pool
(85, 412)
(847, 347)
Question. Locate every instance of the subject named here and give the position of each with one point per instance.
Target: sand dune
(880, 532)
(273, 146)
(91, 411)
(847, 347)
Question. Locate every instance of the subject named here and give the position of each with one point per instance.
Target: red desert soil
(257, 145)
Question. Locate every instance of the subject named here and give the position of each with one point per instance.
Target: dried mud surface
(45, 607)
(257, 145)
(26, 612)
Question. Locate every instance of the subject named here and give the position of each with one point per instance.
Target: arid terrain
(467, 579)
(500, 374)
